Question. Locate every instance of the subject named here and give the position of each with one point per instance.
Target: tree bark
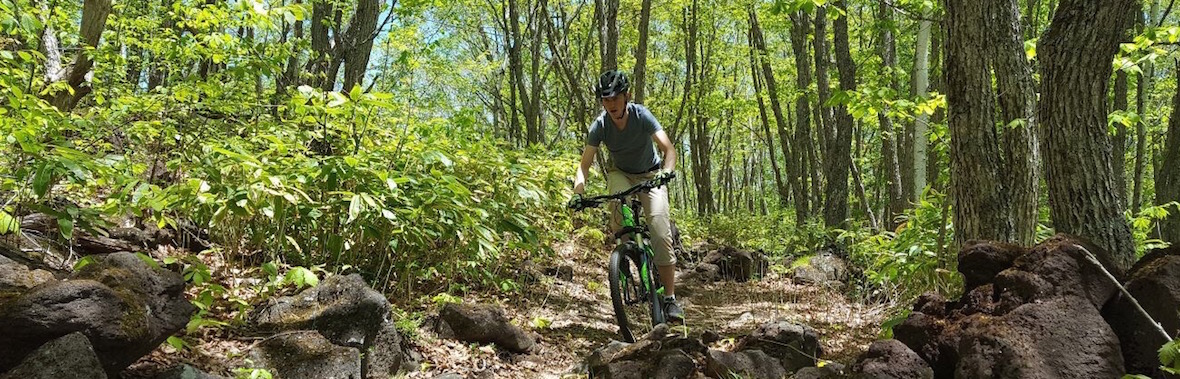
(804, 146)
(94, 21)
(641, 53)
(839, 147)
(609, 34)
(982, 209)
(1076, 55)
(1167, 187)
(1016, 95)
(358, 42)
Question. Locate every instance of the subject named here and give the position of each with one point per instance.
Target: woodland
(257, 148)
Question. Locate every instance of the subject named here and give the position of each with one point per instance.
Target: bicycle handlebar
(646, 185)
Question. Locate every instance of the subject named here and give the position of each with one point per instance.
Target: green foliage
(1145, 224)
(252, 373)
(905, 263)
(1170, 357)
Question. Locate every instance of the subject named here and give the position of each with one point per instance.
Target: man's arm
(665, 145)
(588, 154)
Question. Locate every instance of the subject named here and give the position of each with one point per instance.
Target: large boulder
(1155, 283)
(890, 359)
(794, 345)
(125, 307)
(342, 307)
(753, 364)
(1026, 313)
(306, 354)
(483, 323)
(68, 357)
(726, 263)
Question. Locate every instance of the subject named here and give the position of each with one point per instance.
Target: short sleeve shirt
(631, 149)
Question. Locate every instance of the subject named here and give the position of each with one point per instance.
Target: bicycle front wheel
(629, 297)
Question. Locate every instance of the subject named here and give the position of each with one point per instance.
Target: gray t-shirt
(631, 149)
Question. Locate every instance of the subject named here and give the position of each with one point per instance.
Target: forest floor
(580, 320)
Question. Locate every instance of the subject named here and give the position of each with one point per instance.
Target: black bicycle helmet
(612, 83)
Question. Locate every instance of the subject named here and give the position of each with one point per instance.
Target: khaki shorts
(655, 211)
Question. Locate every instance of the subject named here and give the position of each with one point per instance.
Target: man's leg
(660, 223)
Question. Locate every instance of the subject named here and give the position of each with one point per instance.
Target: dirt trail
(580, 319)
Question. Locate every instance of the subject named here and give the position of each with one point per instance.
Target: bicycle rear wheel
(631, 303)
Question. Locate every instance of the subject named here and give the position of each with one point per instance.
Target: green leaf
(176, 342)
(66, 225)
(300, 277)
(42, 179)
(8, 224)
(85, 261)
(355, 207)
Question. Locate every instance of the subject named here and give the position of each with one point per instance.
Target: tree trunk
(1076, 55)
(921, 127)
(896, 201)
(358, 42)
(94, 21)
(641, 53)
(982, 209)
(804, 147)
(1167, 187)
(1016, 94)
(536, 131)
(609, 34)
(839, 146)
(793, 172)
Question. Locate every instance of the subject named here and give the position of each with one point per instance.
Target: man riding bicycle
(628, 130)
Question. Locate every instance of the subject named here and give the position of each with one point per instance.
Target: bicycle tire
(639, 314)
(618, 272)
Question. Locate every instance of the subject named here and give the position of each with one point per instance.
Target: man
(628, 131)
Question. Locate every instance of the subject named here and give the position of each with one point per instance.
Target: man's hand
(575, 201)
(664, 175)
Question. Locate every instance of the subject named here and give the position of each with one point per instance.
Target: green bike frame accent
(628, 221)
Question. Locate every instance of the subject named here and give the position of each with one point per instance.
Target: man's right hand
(575, 201)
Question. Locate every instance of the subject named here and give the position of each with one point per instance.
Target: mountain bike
(635, 290)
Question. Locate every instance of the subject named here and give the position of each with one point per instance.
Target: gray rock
(184, 371)
(343, 308)
(830, 371)
(747, 364)
(891, 359)
(125, 307)
(389, 355)
(675, 364)
(16, 278)
(824, 268)
(796, 345)
(306, 354)
(69, 357)
(484, 323)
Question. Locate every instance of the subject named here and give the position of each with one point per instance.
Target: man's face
(616, 105)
